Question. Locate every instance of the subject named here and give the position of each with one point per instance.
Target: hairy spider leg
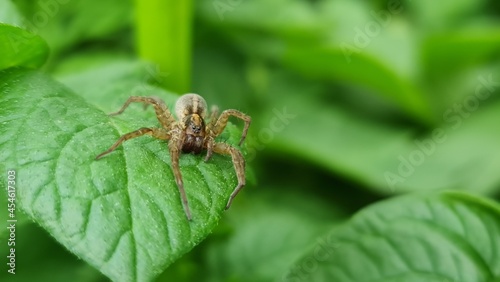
(239, 167)
(162, 112)
(159, 133)
(209, 143)
(174, 146)
(222, 122)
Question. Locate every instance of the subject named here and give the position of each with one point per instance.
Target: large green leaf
(21, 48)
(122, 214)
(438, 237)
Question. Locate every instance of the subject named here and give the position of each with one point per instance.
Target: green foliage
(259, 247)
(352, 102)
(66, 24)
(440, 237)
(164, 28)
(430, 85)
(41, 254)
(131, 233)
(21, 48)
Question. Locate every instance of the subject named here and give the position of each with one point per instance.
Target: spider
(189, 134)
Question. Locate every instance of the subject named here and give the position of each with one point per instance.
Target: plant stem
(163, 36)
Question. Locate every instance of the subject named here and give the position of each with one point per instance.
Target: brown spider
(190, 135)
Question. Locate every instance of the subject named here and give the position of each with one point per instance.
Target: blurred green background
(352, 102)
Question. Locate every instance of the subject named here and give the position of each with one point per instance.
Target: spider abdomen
(193, 144)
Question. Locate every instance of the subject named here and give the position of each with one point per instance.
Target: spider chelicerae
(190, 134)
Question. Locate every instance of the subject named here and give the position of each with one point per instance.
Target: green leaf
(386, 159)
(448, 60)
(447, 164)
(107, 79)
(447, 55)
(9, 13)
(38, 255)
(445, 15)
(121, 214)
(270, 230)
(295, 19)
(357, 148)
(21, 48)
(336, 65)
(438, 237)
(64, 24)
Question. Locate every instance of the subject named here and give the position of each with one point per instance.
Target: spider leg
(159, 133)
(162, 112)
(210, 139)
(239, 167)
(210, 148)
(221, 123)
(174, 146)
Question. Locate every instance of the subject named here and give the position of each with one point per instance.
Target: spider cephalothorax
(191, 110)
(190, 134)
